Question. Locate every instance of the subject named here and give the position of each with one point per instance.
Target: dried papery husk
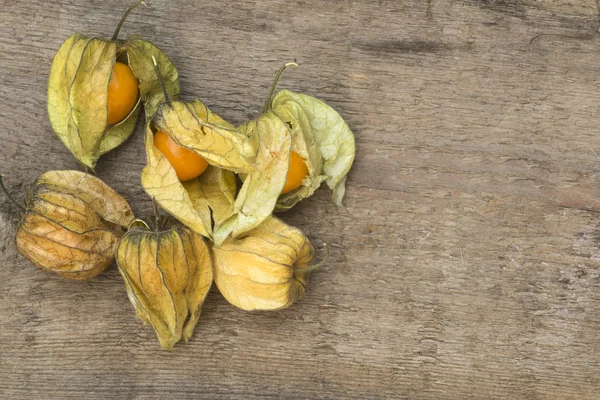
(207, 200)
(167, 274)
(258, 151)
(142, 54)
(256, 198)
(78, 91)
(266, 269)
(322, 138)
(319, 135)
(71, 224)
(289, 122)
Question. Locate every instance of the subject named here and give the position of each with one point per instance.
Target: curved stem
(12, 199)
(162, 82)
(124, 17)
(268, 101)
(315, 266)
(138, 222)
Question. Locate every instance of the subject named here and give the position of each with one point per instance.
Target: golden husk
(72, 224)
(262, 270)
(167, 274)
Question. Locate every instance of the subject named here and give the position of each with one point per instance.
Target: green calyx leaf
(140, 53)
(78, 99)
(261, 188)
(332, 137)
(78, 92)
(303, 143)
(115, 135)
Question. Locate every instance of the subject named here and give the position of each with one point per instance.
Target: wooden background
(465, 264)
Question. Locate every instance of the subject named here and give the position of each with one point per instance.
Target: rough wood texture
(465, 264)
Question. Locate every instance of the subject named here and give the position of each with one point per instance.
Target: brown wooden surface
(465, 263)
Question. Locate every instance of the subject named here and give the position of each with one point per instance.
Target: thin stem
(12, 199)
(315, 266)
(124, 17)
(162, 83)
(268, 101)
(87, 169)
(156, 215)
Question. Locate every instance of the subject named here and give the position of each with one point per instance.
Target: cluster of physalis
(219, 183)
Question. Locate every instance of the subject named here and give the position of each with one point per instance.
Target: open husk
(78, 91)
(258, 151)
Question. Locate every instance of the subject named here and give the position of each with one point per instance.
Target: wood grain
(465, 264)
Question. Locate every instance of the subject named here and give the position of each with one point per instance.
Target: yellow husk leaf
(167, 275)
(218, 188)
(72, 224)
(78, 92)
(194, 127)
(89, 93)
(260, 270)
(62, 73)
(160, 181)
(261, 188)
(78, 96)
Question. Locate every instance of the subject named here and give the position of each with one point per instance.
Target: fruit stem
(156, 216)
(12, 199)
(315, 266)
(162, 83)
(124, 17)
(268, 101)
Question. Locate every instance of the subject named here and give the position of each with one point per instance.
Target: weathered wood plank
(465, 264)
